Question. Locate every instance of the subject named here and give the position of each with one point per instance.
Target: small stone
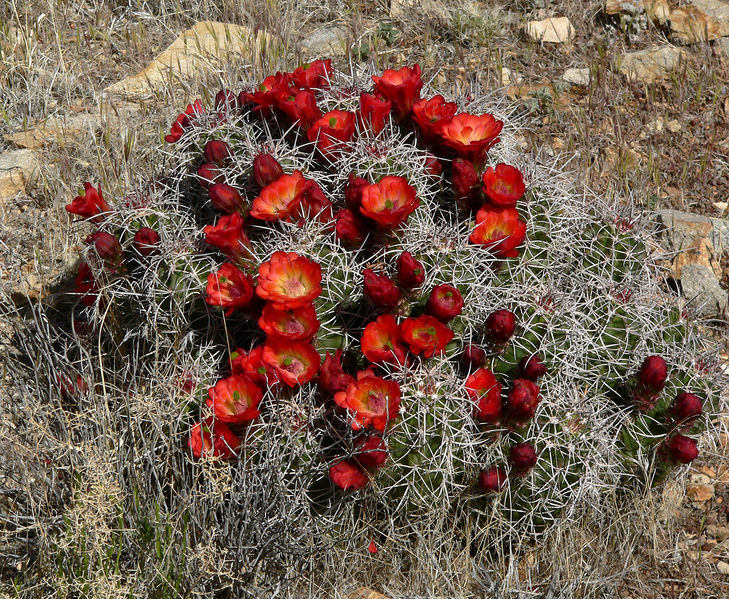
(615, 7)
(700, 493)
(673, 126)
(505, 76)
(722, 568)
(651, 64)
(557, 30)
(366, 593)
(657, 10)
(720, 533)
(699, 283)
(329, 40)
(18, 169)
(577, 76)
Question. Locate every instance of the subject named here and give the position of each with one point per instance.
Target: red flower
(532, 367)
(332, 132)
(251, 364)
(382, 341)
(225, 198)
(184, 120)
(267, 92)
(371, 452)
(294, 324)
(522, 458)
(280, 199)
(289, 280)
(445, 302)
(651, 379)
(208, 174)
(85, 285)
(316, 74)
(374, 111)
(228, 235)
(90, 205)
(501, 231)
(410, 272)
(107, 248)
(348, 475)
(426, 335)
(212, 438)
(217, 152)
(503, 186)
(372, 547)
(353, 191)
(314, 204)
(145, 241)
(300, 106)
(473, 356)
(235, 399)
(331, 375)
(401, 87)
(373, 401)
(679, 448)
(485, 392)
(381, 289)
(466, 184)
(430, 116)
(266, 170)
(471, 136)
(493, 480)
(229, 288)
(389, 202)
(686, 409)
(294, 362)
(522, 400)
(500, 326)
(351, 230)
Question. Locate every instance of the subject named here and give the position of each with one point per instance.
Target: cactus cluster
(373, 317)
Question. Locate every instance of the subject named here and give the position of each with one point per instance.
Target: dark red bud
(686, 409)
(445, 302)
(433, 166)
(225, 198)
(381, 289)
(207, 174)
(492, 480)
(225, 100)
(500, 326)
(145, 241)
(410, 272)
(331, 374)
(266, 170)
(107, 247)
(522, 400)
(466, 182)
(353, 192)
(522, 457)
(532, 367)
(351, 229)
(217, 152)
(653, 373)
(680, 448)
(371, 452)
(473, 357)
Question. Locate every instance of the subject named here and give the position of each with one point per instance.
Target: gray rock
(577, 76)
(651, 64)
(18, 171)
(684, 230)
(556, 30)
(722, 45)
(329, 40)
(699, 21)
(700, 285)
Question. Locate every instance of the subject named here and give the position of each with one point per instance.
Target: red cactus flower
(331, 375)
(351, 230)
(382, 341)
(371, 452)
(313, 75)
(493, 480)
(686, 409)
(473, 356)
(651, 379)
(235, 399)
(381, 289)
(401, 87)
(410, 272)
(145, 241)
(431, 115)
(184, 120)
(389, 202)
(522, 458)
(207, 174)
(522, 400)
(532, 367)
(504, 185)
(426, 335)
(212, 438)
(289, 280)
(251, 364)
(225, 198)
(90, 205)
(265, 95)
(230, 288)
(295, 324)
(445, 302)
(373, 401)
(466, 184)
(500, 326)
(348, 475)
(500, 231)
(353, 192)
(85, 285)
(280, 199)
(217, 151)
(679, 448)
(108, 248)
(332, 132)
(471, 136)
(295, 362)
(266, 170)
(228, 235)
(314, 204)
(300, 106)
(484, 391)
(374, 111)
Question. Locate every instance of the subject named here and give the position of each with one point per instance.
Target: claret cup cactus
(367, 317)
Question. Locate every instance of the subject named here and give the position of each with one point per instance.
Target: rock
(329, 40)
(505, 76)
(55, 130)
(720, 533)
(18, 170)
(722, 568)
(684, 230)
(365, 593)
(699, 283)
(579, 77)
(206, 46)
(556, 30)
(651, 64)
(722, 45)
(615, 7)
(657, 10)
(700, 493)
(700, 21)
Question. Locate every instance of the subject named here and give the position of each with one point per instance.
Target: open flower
(522, 400)
(389, 202)
(235, 399)
(374, 111)
(484, 391)
(371, 452)
(230, 288)
(184, 120)
(332, 132)
(381, 289)
(445, 302)
(431, 115)
(90, 205)
(295, 324)
(251, 364)
(213, 438)
(348, 475)
(295, 362)
(313, 75)
(228, 235)
(372, 401)
(500, 231)
(300, 106)
(265, 95)
(382, 341)
(280, 199)
(471, 136)
(426, 335)
(503, 185)
(401, 87)
(289, 280)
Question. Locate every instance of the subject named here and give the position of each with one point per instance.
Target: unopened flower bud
(500, 326)
(145, 241)
(353, 192)
(107, 247)
(225, 198)
(381, 289)
(532, 367)
(473, 357)
(522, 457)
(410, 272)
(679, 448)
(445, 302)
(686, 409)
(266, 170)
(217, 151)
(492, 480)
